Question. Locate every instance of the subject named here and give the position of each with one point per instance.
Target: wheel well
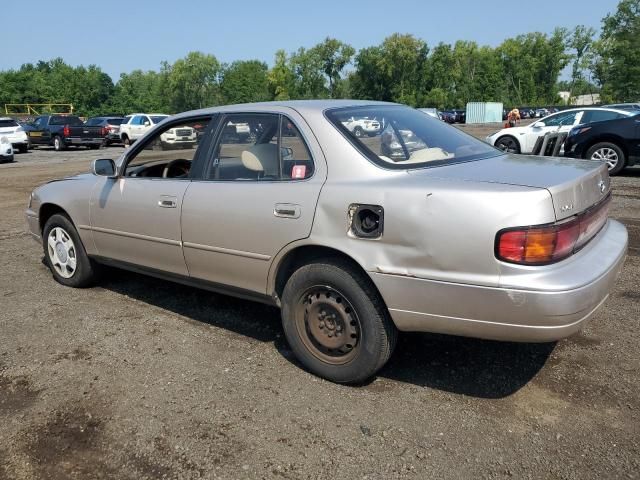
(308, 254)
(47, 210)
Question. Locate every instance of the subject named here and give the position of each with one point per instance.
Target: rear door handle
(167, 201)
(287, 210)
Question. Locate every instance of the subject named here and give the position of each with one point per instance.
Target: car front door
(257, 195)
(135, 218)
(558, 122)
(137, 126)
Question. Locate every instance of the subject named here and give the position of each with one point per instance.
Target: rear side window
(591, 116)
(8, 123)
(115, 121)
(266, 147)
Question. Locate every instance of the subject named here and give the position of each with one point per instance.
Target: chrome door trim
(165, 241)
(227, 251)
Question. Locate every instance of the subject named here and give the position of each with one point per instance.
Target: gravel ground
(140, 378)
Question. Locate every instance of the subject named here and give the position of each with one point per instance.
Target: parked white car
(523, 139)
(6, 150)
(136, 125)
(15, 134)
(179, 137)
(362, 126)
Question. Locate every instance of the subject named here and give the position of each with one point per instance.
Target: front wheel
(610, 153)
(336, 323)
(508, 144)
(358, 132)
(65, 255)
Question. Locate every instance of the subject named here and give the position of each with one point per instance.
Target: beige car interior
(261, 158)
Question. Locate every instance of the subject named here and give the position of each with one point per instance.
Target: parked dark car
(460, 116)
(616, 142)
(61, 131)
(448, 116)
(111, 126)
(625, 106)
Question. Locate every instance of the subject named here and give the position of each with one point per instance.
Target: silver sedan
(417, 228)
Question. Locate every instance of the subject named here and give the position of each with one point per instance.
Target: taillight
(66, 131)
(104, 131)
(539, 245)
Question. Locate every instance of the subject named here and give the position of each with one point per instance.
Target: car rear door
(238, 217)
(37, 134)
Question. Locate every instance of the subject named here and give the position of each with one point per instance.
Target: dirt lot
(139, 378)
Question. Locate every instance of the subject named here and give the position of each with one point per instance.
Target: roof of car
(299, 105)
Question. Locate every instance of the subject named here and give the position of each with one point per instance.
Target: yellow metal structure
(29, 109)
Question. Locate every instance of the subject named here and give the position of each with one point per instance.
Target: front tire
(336, 322)
(358, 132)
(508, 144)
(611, 154)
(65, 255)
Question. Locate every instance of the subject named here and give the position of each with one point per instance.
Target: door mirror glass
(103, 167)
(146, 124)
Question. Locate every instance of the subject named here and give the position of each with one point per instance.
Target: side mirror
(146, 124)
(104, 167)
(539, 125)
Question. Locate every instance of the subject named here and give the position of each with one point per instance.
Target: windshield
(407, 138)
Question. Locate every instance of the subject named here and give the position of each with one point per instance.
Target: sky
(124, 35)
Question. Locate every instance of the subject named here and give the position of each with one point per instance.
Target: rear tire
(126, 142)
(336, 322)
(611, 154)
(65, 255)
(58, 144)
(508, 144)
(358, 132)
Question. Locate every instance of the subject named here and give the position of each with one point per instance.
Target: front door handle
(287, 210)
(167, 201)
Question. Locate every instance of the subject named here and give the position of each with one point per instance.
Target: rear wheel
(126, 141)
(336, 323)
(508, 144)
(610, 153)
(58, 144)
(65, 255)
(358, 132)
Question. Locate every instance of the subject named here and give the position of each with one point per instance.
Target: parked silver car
(421, 228)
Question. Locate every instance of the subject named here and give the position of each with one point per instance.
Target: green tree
(193, 82)
(309, 81)
(333, 56)
(245, 81)
(580, 42)
(281, 77)
(617, 65)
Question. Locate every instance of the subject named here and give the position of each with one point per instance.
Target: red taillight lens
(104, 131)
(66, 131)
(551, 243)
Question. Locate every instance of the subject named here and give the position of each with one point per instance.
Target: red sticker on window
(298, 171)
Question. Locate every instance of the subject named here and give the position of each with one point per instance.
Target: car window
(115, 121)
(93, 121)
(137, 120)
(8, 122)
(126, 119)
(591, 116)
(260, 147)
(157, 119)
(169, 153)
(560, 119)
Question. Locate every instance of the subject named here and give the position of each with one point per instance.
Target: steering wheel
(176, 168)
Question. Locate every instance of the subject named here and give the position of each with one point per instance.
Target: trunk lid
(574, 185)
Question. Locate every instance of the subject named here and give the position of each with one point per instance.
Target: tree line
(523, 70)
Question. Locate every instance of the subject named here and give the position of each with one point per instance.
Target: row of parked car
(63, 131)
(609, 134)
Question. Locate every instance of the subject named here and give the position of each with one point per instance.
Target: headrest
(262, 157)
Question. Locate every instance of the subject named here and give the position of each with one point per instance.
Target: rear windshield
(7, 122)
(94, 121)
(399, 137)
(115, 121)
(65, 120)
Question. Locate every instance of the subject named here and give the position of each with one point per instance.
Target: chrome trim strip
(165, 241)
(227, 251)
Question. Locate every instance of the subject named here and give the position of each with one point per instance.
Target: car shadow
(466, 366)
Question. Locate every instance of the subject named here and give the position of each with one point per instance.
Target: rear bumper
(83, 141)
(513, 314)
